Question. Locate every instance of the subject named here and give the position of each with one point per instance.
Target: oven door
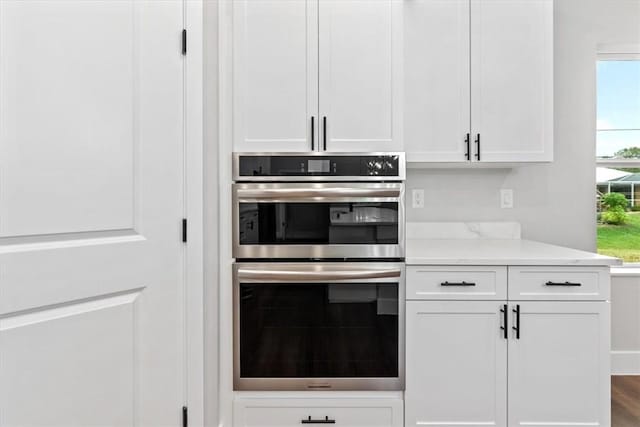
(318, 220)
(318, 326)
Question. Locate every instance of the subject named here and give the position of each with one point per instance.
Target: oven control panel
(249, 166)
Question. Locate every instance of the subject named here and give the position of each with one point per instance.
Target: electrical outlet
(417, 198)
(506, 198)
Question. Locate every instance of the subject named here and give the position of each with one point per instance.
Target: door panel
(275, 74)
(91, 190)
(456, 364)
(559, 368)
(512, 79)
(360, 71)
(436, 79)
(68, 128)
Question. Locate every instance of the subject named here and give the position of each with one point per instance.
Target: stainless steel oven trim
(344, 272)
(402, 169)
(309, 192)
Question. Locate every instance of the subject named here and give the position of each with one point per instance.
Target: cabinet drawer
(559, 283)
(456, 282)
(290, 412)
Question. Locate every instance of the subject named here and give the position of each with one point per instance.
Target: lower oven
(319, 326)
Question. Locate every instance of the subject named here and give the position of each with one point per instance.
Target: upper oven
(339, 207)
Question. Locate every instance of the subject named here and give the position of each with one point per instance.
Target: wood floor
(625, 401)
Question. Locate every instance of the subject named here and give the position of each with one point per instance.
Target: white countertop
(498, 252)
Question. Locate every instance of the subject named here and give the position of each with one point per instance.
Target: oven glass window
(318, 223)
(318, 330)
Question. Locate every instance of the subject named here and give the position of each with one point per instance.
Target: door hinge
(184, 42)
(184, 229)
(185, 417)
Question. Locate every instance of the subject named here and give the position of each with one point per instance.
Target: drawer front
(559, 283)
(316, 412)
(456, 283)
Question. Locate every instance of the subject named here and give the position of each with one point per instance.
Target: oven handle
(326, 192)
(257, 274)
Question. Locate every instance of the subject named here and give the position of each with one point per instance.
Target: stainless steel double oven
(318, 288)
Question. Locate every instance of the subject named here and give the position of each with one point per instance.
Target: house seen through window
(618, 156)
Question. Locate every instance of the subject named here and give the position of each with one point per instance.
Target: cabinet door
(559, 368)
(275, 83)
(512, 79)
(436, 80)
(360, 74)
(456, 373)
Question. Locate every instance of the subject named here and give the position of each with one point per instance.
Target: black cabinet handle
(324, 132)
(467, 141)
(517, 326)
(478, 147)
(563, 284)
(505, 320)
(463, 283)
(325, 421)
(313, 133)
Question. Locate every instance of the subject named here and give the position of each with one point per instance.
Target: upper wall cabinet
(478, 80)
(275, 75)
(321, 75)
(360, 74)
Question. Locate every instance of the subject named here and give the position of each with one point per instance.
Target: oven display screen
(319, 166)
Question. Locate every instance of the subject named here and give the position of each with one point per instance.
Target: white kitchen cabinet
(456, 363)
(552, 283)
(293, 411)
(437, 85)
(456, 282)
(479, 71)
(512, 80)
(275, 75)
(321, 75)
(559, 367)
(360, 75)
(551, 368)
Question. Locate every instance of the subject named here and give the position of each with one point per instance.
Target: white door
(436, 80)
(512, 79)
(91, 200)
(559, 368)
(456, 373)
(275, 75)
(360, 75)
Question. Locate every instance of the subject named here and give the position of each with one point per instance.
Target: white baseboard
(625, 363)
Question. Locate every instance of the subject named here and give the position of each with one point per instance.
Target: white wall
(555, 202)
(625, 324)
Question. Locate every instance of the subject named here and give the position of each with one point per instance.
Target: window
(618, 156)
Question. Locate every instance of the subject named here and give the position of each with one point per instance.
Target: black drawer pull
(325, 421)
(463, 283)
(563, 284)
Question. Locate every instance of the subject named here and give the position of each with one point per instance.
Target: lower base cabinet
(559, 369)
(290, 412)
(456, 364)
(550, 369)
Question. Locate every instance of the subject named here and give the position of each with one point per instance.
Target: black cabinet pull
(324, 132)
(505, 320)
(517, 326)
(311, 421)
(467, 141)
(313, 133)
(463, 283)
(478, 147)
(563, 284)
